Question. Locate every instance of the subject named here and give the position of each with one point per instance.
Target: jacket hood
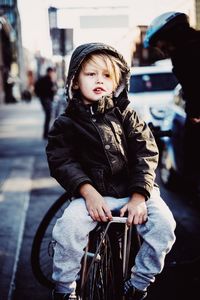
(81, 52)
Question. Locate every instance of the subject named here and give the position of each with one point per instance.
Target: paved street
(27, 191)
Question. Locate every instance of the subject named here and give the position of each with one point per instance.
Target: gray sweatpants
(71, 235)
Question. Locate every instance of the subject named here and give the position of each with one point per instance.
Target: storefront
(6, 59)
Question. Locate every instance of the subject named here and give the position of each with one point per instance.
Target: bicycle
(106, 263)
(106, 258)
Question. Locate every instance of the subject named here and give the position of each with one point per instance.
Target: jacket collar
(98, 107)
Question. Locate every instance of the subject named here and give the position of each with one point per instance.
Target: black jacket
(45, 88)
(186, 67)
(104, 144)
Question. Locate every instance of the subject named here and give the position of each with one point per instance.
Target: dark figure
(171, 34)
(45, 89)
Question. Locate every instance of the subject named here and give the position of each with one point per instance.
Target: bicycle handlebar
(119, 220)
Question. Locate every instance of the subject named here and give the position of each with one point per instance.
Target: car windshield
(152, 82)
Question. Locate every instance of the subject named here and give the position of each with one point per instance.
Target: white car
(151, 93)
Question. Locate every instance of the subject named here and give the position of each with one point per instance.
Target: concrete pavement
(21, 147)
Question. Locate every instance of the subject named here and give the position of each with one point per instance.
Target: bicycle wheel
(104, 274)
(42, 247)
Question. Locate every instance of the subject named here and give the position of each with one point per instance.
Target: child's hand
(136, 208)
(95, 203)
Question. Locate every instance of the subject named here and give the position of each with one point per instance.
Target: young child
(105, 157)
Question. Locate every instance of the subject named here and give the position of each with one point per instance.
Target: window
(152, 82)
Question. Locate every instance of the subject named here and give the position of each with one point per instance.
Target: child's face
(94, 81)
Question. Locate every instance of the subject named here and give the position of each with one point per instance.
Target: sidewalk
(21, 146)
(21, 120)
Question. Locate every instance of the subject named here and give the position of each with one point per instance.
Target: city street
(27, 191)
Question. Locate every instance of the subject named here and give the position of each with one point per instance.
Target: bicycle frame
(127, 234)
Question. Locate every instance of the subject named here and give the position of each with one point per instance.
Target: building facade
(11, 57)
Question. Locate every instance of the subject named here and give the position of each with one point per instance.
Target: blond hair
(114, 66)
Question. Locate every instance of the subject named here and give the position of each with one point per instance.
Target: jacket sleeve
(142, 154)
(62, 156)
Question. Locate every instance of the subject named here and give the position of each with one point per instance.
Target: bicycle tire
(42, 247)
(104, 279)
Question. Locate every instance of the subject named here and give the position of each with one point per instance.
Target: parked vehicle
(151, 95)
(171, 162)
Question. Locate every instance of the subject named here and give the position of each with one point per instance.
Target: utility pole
(63, 52)
(62, 39)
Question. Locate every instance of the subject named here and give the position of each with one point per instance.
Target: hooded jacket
(104, 144)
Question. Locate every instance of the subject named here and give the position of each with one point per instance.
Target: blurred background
(38, 34)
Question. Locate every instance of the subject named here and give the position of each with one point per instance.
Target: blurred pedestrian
(171, 34)
(45, 89)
